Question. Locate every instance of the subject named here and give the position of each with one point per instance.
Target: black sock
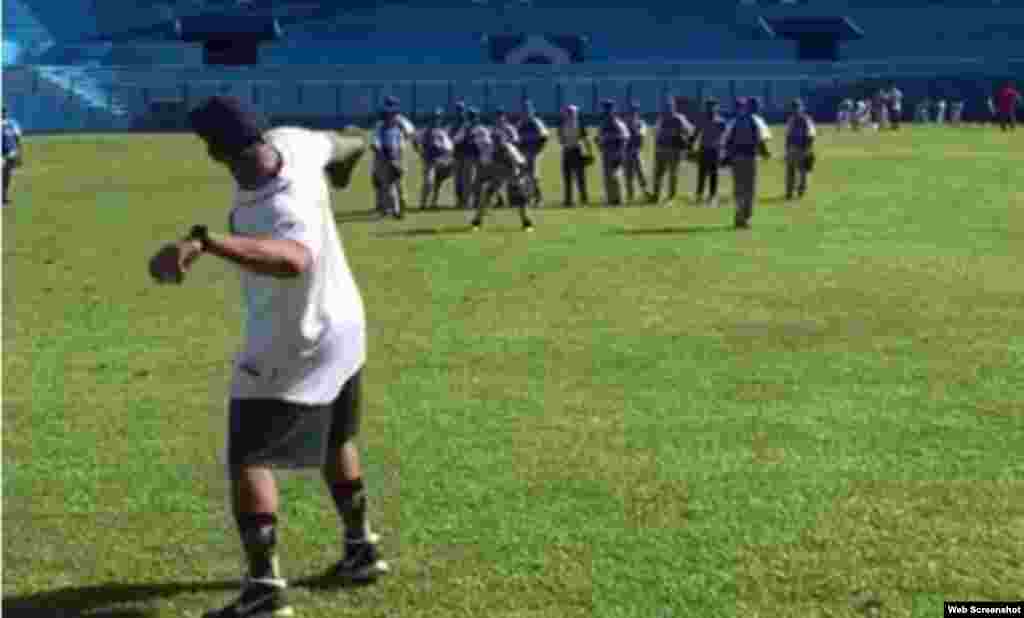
(350, 500)
(259, 538)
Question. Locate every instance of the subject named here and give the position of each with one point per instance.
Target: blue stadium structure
(77, 64)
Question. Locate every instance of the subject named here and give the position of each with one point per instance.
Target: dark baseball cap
(227, 125)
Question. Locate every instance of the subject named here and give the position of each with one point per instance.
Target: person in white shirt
(295, 393)
(940, 112)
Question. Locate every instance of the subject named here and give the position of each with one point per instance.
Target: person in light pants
(672, 138)
(436, 149)
(500, 165)
(613, 137)
(635, 174)
(388, 144)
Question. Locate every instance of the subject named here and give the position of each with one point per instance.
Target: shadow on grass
(72, 602)
(426, 231)
(675, 230)
(92, 600)
(781, 199)
(356, 215)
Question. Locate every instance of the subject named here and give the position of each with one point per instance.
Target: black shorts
(282, 434)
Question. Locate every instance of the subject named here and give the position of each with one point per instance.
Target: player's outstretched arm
(346, 151)
(273, 257)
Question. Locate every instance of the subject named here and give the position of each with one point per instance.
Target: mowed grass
(633, 412)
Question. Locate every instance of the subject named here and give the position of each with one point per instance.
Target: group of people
(497, 162)
(884, 110)
(295, 395)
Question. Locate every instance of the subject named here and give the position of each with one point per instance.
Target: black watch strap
(200, 233)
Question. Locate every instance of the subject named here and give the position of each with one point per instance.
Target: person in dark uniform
(745, 139)
(672, 139)
(613, 137)
(533, 136)
(576, 151)
(463, 170)
(800, 135)
(708, 142)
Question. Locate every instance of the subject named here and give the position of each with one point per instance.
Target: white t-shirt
(304, 336)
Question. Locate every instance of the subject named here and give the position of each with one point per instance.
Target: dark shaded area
(73, 602)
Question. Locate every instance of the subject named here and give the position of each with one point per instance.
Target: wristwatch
(200, 233)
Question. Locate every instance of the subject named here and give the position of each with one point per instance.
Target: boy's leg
(342, 471)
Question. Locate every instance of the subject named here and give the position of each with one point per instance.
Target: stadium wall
(106, 99)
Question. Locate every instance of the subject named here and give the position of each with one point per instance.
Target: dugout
(229, 40)
(817, 38)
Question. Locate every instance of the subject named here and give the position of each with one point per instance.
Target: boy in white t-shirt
(295, 392)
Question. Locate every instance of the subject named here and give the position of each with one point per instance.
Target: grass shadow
(99, 600)
(674, 230)
(425, 231)
(356, 215)
(76, 601)
(777, 199)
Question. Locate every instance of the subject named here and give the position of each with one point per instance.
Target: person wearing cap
(673, 134)
(613, 138)
(388, 143)
(576, 155)
(470, 135)
(708, 142)
(800, 135)
(11, 151)
(533, 135)
(500, 165)
(745, 139)
(295, 392)
(436, 149)
(634, 153)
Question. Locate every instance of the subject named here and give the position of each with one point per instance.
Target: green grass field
(634, 412)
